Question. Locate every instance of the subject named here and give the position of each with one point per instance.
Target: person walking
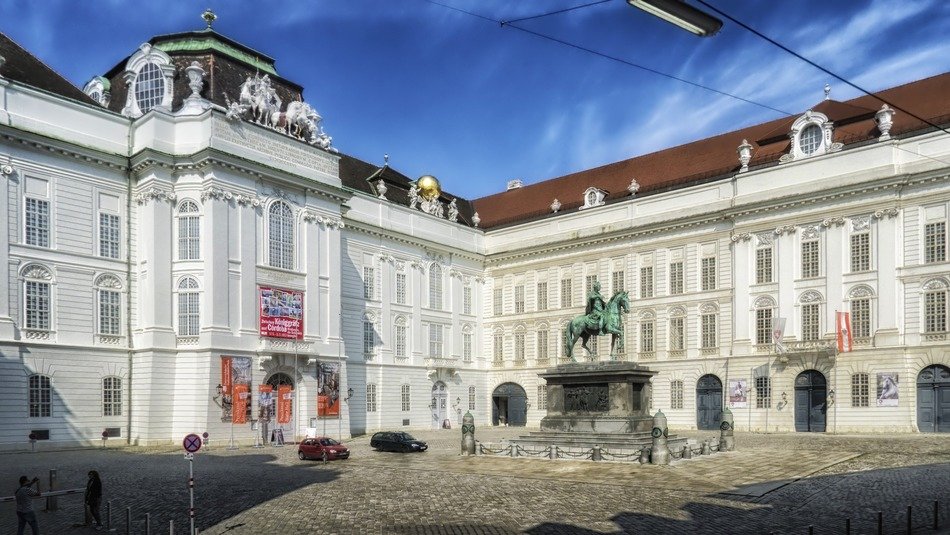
(24, 505)
(93, 497)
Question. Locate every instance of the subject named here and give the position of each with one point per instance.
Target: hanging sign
(240, 402)
(285, 399)
(281, 313)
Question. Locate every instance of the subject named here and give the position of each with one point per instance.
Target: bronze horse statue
(580, 327)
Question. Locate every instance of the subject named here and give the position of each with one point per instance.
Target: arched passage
(509, 405)
(708, 402)
(933, 399)
(811, 395)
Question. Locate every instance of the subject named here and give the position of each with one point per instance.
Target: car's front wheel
(301, 456)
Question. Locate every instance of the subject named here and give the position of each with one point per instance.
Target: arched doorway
(438, 406)
(708, 402)
(933, 399)
(509, 405)
(274, 407)
(811, 395)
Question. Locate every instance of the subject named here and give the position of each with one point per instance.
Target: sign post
(191, 443)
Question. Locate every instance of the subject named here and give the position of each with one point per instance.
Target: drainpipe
(128, 281)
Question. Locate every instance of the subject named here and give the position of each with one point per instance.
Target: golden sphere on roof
(428, 186)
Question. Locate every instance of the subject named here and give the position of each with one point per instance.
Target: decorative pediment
(36, 271)
(764, 301)
(860, 292)
(810, 296)
(107, 280)
(593, 197)
(934, 285)
(810, 135)
(709, 308)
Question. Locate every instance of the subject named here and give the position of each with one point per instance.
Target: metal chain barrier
(502, 451)
(572, 455)
(620, 456)
(539, 453)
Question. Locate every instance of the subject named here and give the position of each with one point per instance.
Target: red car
(324, 448)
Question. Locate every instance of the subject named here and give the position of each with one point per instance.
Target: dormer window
(149, 87)
(98, 90)
(811, 139)
(593, 197)
(810, 135)
(149, 74)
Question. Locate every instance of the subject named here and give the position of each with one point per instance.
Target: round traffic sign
(192, 443)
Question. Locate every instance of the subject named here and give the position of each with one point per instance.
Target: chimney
(515, 184)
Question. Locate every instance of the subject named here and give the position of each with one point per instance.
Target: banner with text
(225, 393)
(265, 403)
(285, 399)
(328, 389)
(235, 389)
(281, 313)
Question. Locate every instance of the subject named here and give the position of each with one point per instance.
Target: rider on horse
(595, 308)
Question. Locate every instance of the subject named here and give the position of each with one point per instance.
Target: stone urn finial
(884, 119)
(745, 155)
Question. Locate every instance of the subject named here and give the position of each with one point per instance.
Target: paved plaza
(773, 483)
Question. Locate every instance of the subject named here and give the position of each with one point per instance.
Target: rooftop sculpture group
(260, 103)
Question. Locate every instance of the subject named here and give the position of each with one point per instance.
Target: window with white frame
(646, 336)
(542, 344)
(676, 394)
(37, 222)
(707, 277)
(589, 282)
(763, 392)
(498, 301)
(149, 87)
(543, 397)
(542, 296)
(646, 282)
(676, 278)
(708, 328)
(466, 300)
(37, 300)
(763, 264)
(935, 242)
(519, 299)
(436, 340)
(810, 139)
(860, 252)
(149, 75)
(810, 263)
(616, 280)
(188, 307)
(400, 288)
(467, 349)
(109, 232)
(763, 321)
(281, 236)
(369, 338)
(110, 312)
(189, 231)
(860, 390)
(406, 400)
(810, 322)
(369, 283)
(401, 336)
(935, 307)
(435, 287)
(111, 396)
(592, 344)
(519, 346)
(41, 396)
(677, 333)
(371, 397)
(498, 347)
(471, 398)
(567, 293)
(861, 317)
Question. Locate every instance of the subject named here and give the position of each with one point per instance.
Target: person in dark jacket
(93, 496)
(24, 505)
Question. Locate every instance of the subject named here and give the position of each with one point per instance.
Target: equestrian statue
(600, 318)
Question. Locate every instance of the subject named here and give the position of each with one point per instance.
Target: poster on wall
(738, 393)
(281, 313)
(285, 399)
(887, 393)
(328, 389)
(265, 403)
(235, 389)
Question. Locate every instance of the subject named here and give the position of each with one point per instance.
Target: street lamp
(349, 394)
(681, 14)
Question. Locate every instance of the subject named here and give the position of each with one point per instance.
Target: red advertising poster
(281, 313)
(328, 389)
(240, 399)
(226, 377)
(285, 399)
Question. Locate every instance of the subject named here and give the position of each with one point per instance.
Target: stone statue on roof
(453, 214)
(413, 196)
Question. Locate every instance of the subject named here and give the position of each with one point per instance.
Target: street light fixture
(681, 14)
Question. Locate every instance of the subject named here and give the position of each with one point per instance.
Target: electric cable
(558, 12)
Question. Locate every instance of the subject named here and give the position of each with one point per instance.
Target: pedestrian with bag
(24, 505)
(93, 497)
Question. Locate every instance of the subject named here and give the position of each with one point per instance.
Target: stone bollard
(514, 449)
(687, 452)
(660, 452)
(706, 449)
(644, 455)
(727, 439)
(51, 502)
(553, 452)
(596, 454)
(468, 434)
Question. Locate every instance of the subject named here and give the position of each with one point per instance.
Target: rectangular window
(109, 235)
(810, 267)
(676, 278)
(498, 347)
(676, 394)
(37, 306)
(369, 283)
(543, 345)
(401, 288)
(543, 397)
(859, 390)
(763, 326)
(708, 331)
(401, 344)
(542, 296)
(519, 347)
(935, 312)
(860, 252)
(677, 334)
(519, 299)
(405, 399)
(188, 237)
(37, 222)
(370, 397)
(810, 323)
(708, 274)
(567, 293)
(467, 347)
(498, 301)
(471, 398)
(861, 318)
(188, 321)
(616, 282)
(935, 242)
(436, 340)
(593, 345)
(109, 312)
(763, 265)
(369, 339)
(646, 281)
(112, 396)
(646, 337)
(589, 282)
(466, 300)
(41, 405)
(763, 392)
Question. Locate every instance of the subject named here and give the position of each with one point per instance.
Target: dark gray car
(397, 441)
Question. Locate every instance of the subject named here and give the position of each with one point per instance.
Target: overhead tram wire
(509, 24)
(819, 67)
(558, 12)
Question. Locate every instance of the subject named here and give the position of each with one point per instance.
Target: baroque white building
(156, 217)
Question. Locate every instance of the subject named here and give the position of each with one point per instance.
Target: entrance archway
(811, 395)
(438, 405)
(933, 399)
(708, 402)
(509, 404)
(271, 423)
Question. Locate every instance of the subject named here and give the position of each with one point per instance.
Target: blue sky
(476, 104)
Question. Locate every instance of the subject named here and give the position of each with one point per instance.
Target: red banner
(240, 400)
(226, 376)
(328, 389)
(843, 331)
(285, 399)
(281, 313)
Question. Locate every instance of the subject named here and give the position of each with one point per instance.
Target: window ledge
(187, 340)
(707, 351)
(109, 339)
(677, 353)
(648, 355)
(935, 337)
(37, 334)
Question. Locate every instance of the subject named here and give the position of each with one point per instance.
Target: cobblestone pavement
(777, 483)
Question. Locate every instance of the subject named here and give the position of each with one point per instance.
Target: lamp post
(681, 14)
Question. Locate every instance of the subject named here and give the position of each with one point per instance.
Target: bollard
(171, 527)
(109, 515)
(660, 452)
(847, 526)
(687, 452)
(880, 523)
(910, 518)
(128, 521)
(644, 455)
(706, 449)
(514, 450)
(553, 452)
(936, 514)
(596, 455)
(468, 434)
(51, 504)
(811, 530)
(148, 524)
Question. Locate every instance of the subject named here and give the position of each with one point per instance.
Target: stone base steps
(615, 441)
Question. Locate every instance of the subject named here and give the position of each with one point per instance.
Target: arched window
(149, 87)
(435, 287)
(401, 336)
(189, 308)
(112, 396)
(108, 290)
(149, 73)
(811, 139)
(37, 298)
(41, 396)
(281, 236)
(189, 230)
